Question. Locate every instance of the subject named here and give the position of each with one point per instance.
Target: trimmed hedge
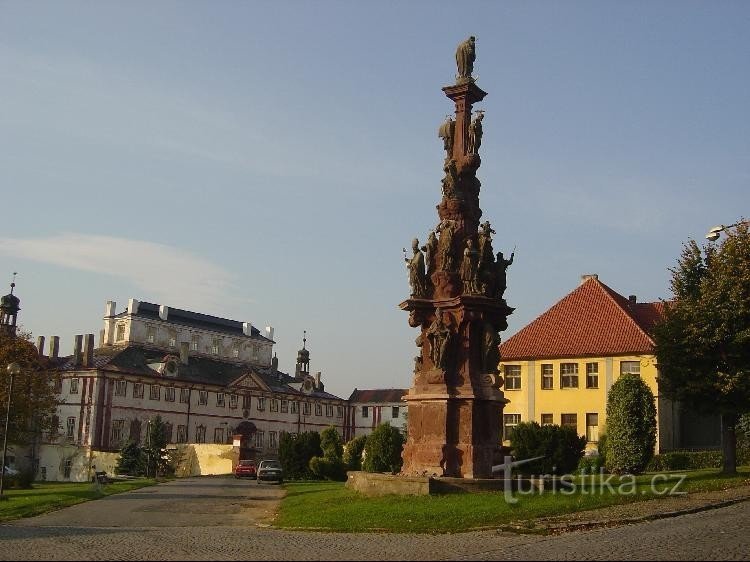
(383, 450)
(560, 447)
(692, 460)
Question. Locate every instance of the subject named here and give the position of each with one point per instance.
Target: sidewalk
(634, 512)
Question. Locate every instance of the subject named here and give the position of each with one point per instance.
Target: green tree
(155, 448)
(383, 449)
(353, 453)
(132, 460)
(35, 400)
(330, 466)
(295, 452)
(631, 425)
(703, 344)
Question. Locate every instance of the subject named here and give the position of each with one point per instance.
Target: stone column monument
(455, 402)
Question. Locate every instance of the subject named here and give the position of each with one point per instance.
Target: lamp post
(716, 231)
(13, 369)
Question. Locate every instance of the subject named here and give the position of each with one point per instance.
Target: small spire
(304, 338)
(13, 283)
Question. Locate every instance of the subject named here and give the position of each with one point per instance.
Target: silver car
(270, 470)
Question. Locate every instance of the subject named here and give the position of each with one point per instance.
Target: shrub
(326, 468)
(383, 450)
(601, 446)
(353, 453)
(631, 425)
(590, 464)
(560, 447)
(295, 452)
(330, 443)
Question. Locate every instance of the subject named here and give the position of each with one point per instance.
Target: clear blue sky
(267, 161)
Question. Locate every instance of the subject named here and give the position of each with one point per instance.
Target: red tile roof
(379, 395)
(593, 320)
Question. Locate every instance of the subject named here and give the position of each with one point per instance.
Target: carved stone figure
(430, 250)
(445, 245)
(439, 336)
(446, 132)
(450, 180)
(490, 351)
(475, 133)
(465, 57)
(415, 265)
(486, 255)
(501, 281)
(469, 268)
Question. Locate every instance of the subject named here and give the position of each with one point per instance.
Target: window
(151, 334)
(116, 435)
(137, 390)
(259, 439)
(592, 428)
(232, 401)
(54, 427)
(67, 468)
(168, 432)
(200, 434)
(230, 435)
(510, 421)
(274, 405)
(365, 412)
(272, 443)
(184, 397)
(548, 377)
(592, 375)
(295, 407)
(121, 388)
(246, 401)
(169, 394)
(318, 409)
(182, 434)
(194, 342)
(261, 403)
(512, 377)
(120, 332)
(74, 386)
(203, 397)
(306, 408)
(58, 385)
(215, 346)
(630, 367)
(172, 341)
(569, 420)
(255, 352)
(220, 402)
(71, 427)
(394, 412)
(329, 410)
(569, 375)
(339, 411)
(154, 392)
(284, 406)
(236, 351)
(547, 419)
(219, 435)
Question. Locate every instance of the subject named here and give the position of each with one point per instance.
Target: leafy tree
(330, 466)
(561, 448)
(631, 425)
(155, 448)
(383, 449)
(353, 453)
(295, 452)
(132, 460)
(330, 443)
(703, 344)
(34, 401)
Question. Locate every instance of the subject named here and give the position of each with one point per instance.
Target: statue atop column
(446, 132)
(415, 265)
(465, 57)
(475, 133)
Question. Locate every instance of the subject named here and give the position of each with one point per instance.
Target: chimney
(101, 338)
(269, 332)
(586, 276)
(54, 347)
(40, 345)
(274, 364)
(184, 352)
(133, 306)
(163, 312)
(317, 380)
(632, 299)
(109, 309)
(88, 350)
(77, 345)
(247, 328)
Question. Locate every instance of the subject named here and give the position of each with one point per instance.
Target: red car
(245, 469)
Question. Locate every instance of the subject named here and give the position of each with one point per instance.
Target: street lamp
(716, 231)
(13, 370)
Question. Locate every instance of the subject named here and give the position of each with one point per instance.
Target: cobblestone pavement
(216, 519)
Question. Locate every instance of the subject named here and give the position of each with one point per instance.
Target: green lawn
(49, 496)
(330, 506)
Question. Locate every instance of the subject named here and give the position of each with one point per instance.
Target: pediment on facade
(249, 381)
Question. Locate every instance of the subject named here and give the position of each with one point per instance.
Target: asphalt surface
(225, 519)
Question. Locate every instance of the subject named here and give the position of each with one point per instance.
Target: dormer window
(151, 334)
(236, 351)
(172, 341)
(120, 332)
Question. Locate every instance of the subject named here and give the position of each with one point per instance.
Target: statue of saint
(469, 268)
(445, 132)
(445, 245)
(450, 180)
(490, 351)
(501, 279)
(439, 335)
(415, 265)
(465, 56)
(475, 133)
(430, 250)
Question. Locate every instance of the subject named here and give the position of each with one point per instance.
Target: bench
(100, 477)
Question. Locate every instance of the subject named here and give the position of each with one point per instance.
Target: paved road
(216, 519)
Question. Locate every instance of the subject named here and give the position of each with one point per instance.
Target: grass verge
(50, 496)
(332, 507)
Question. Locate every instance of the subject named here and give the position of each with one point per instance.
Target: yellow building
(559, 369)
